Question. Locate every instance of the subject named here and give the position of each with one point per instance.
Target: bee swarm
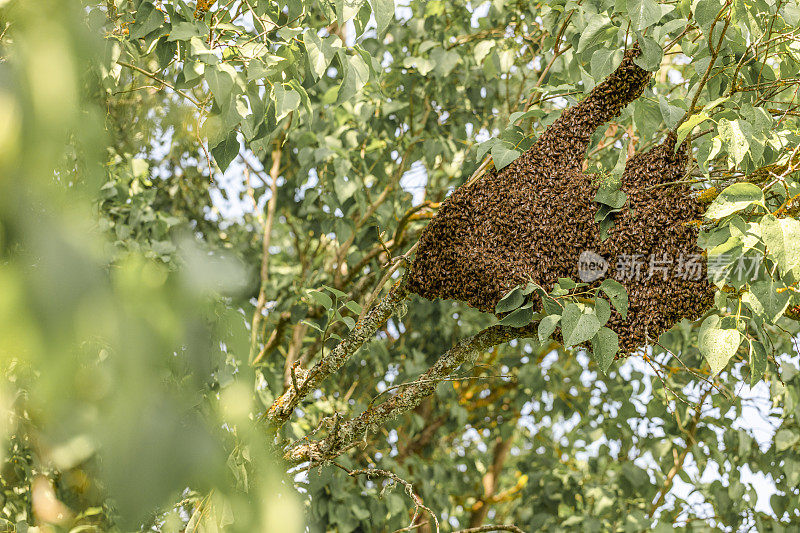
(532, 220)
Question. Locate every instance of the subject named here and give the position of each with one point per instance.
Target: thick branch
(348, 433)
(490, 479)
(258, 314)
(274, 337)
(305, 382)
(482, 529)
(714, 54)
(289, 366)
(422, 439)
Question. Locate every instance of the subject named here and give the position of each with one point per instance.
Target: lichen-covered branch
(394, 478)
(346, 434)
(304, 382)
(483, 529)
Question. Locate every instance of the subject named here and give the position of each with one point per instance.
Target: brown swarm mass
(532, 220)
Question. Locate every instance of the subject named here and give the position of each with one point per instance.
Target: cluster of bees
(532, 220)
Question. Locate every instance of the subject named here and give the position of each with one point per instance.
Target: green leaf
(791, 13)
(602, 309)
(735, 198)
(312, 325)
(551, 305)
(221, 79)
(518, 115)
(482, 50)
(384, 14)
(286, 100)
(422, 64)
(485, 146)
(445, 60)
(320, 52)
(356, 75)
(226, 151)
(714, 103)
(346, 10)
(782, 237)
(643, 13)
(670, 27)
(619, 168)
(716, 344)
(758, 361)
(611, 196)
(647, 117)
(652, 53)
(510, 301)
(604, 61)
(148, 19)
(503, 154)
(344, 188)
(336, 292)
(547, 326)
(320, 298)
(670, 113)
(765, 300)
(519, 318)
(198, 47)
(183, 31)
(576, 326)
(193, 70)
(566, 283)
(605, 345)
(533, 286)
(785, 439)
(731, 134)
(594, 32)
(693, 121)
(355, 307)
(617, 294)
(304, 99)
(705, 12)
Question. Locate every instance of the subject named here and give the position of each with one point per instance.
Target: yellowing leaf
(717, 345)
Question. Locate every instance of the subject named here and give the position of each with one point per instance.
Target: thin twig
(397, 263)
(679, 460)
(377, 472)
(161, 81)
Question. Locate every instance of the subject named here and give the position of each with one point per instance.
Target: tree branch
(714, 54)
(377, 472)
(482, 529)
(490, 478)
(161, 81)
(679, 460)
(258, 315)
(307, 381)
(350, 432)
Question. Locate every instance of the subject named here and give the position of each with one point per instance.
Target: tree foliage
(206, 213)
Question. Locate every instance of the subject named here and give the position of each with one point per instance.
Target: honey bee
(532, 219)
